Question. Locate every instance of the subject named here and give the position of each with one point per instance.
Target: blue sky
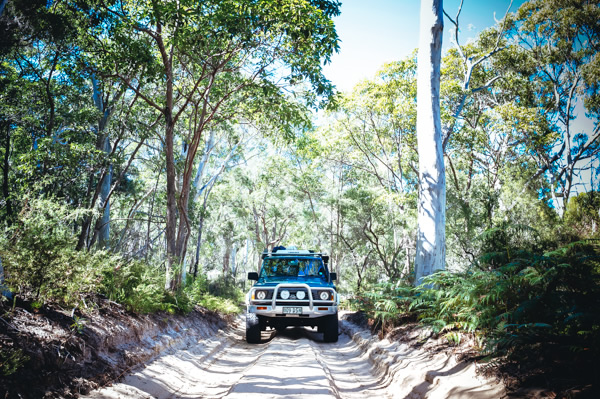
(374, 32)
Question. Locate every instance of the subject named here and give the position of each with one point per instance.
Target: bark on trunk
(430, 252)
(171, 227)
(226, 257)
(198, 244)
(102, 226)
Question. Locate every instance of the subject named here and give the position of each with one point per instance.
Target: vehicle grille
(293, 293)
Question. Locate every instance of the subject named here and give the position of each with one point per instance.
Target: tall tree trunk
(431, 238)
(234, 261)
(199, 241)
(102, 226)
(226, 257)
(171, 228)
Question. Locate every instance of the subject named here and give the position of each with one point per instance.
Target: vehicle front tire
(280, 328)
(252, 328)
(330, 328)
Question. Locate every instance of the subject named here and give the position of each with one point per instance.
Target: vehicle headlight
(260, 295)
(285, 294)
(324, 295)
(300, 294)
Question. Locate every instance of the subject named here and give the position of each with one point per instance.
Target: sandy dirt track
(296, 364)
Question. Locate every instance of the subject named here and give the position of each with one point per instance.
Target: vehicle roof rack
(292, 251)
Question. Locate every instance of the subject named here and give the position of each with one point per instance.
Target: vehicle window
(293, 268)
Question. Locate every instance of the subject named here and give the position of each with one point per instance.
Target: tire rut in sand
(296, 363)
(207, 369)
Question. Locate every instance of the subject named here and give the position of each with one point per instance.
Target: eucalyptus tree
(478, 150)
(473, 60)
(223, 151)
(431, 241)
(457, 93)
(42, 42)
(189, 54)
(375, 128)
(556, 47)
(48, 145)
(254, 203)
(273, 210)
(371, 146)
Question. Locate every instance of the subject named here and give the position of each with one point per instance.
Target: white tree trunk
(431, 237)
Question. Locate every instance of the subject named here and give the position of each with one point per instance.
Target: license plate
(292, 310)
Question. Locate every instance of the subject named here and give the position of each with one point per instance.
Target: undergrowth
(524, 305)
(42, 266)
(532, 306)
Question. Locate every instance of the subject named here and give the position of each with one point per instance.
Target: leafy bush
(226, 288)
(533, 304)
(39, 257)
(11, 360)
(522, 303)
(385, 303)
(221, 305)
(40, 262)
(136, 285)
(582, 216)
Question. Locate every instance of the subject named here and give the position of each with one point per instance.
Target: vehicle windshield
(293, 267)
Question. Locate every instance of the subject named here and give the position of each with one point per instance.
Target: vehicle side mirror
(333, 276)
(253, 276)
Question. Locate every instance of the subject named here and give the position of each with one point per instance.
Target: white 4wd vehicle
(294, 288)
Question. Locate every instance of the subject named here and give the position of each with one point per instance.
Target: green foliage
(582, 216)
(221, 305)
(453, 303)
(11, 360)
(39, 256)
(227, 301)
(386, 303)
(501, 244)
(136, 285)
(140, 287)
(520, 302)
(40, 262)
(78, 324)
(528, 305)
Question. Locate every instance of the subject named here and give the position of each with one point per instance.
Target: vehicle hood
(313, 283)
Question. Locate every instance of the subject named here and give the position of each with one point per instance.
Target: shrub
(385, 303)
(137, 285)
(40, 262)
(39, 257)
(11, 360)
(533, 304)
(221, 305)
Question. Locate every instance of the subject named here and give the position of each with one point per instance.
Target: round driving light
(285, 294)
(300, 294)
(260, 295)
(324, 295)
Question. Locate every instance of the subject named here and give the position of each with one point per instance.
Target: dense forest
(151, 151)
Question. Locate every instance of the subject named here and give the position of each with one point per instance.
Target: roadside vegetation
(531, 310)
(150, 152)
(45, 268)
